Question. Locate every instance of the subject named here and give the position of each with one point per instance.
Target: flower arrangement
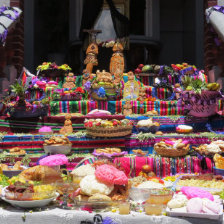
(70, 94)
(18, 106)
(50, 65)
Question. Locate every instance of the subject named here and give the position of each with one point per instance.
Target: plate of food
(195, 205)
(57, 145)
(26, 195)
(209, 182)
(109, 152)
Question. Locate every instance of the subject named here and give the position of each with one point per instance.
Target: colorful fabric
(34, 143)
(163, 107)
(161, 166)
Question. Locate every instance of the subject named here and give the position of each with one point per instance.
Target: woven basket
(199, 109)
(162, 151)
(109, 132)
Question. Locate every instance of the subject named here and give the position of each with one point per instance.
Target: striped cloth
(85, 106)
(161, 166)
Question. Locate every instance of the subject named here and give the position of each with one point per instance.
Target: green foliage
(18, 89)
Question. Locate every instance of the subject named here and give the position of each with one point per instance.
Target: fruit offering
(106, 123)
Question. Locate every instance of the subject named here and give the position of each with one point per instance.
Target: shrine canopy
(8, 18)
(215, 16)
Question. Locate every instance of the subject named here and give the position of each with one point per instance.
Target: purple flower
(87, 85)
(34, 80)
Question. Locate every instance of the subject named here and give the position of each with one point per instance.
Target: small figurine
(69, 81)
(117, 62)
(142, 94)
(103, 76)
(67, 129)
(127, 108)
(87, 77)
(177, 90)
(131, 87)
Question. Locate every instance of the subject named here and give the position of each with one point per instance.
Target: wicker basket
(162, 151)
(109, 132)
(198, 108)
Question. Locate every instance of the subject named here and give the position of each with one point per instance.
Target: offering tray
(181, 212)
(178, 187)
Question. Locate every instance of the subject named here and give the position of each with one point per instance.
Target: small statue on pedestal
(67, 129)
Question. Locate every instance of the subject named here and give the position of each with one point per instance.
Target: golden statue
(117, 62)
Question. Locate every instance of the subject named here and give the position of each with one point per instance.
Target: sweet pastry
(127, 108)
(117, 62)
(84, 170)
(179, 200)
(152, 112)
(195, 205)
(195, 192)
(69, 81)
(148, 125)
(17, 151)
(45, 130)
(214, 147)
(172, 147)
(57, 141)
(54, 160)
(44, 174)
(184, 129)
(67, 129)
(90, 185)
(97, 112)
(99, 197)
(139, 152)
(108, 150)
(219, 161)
(109, 174)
